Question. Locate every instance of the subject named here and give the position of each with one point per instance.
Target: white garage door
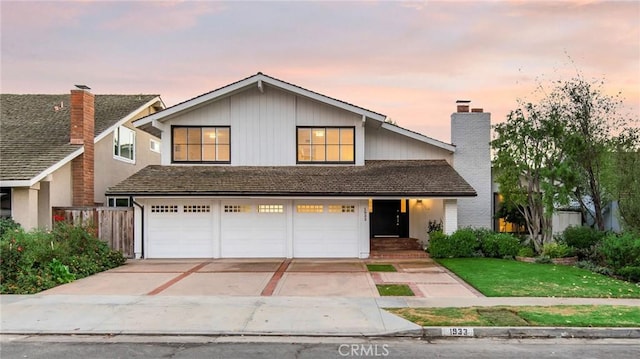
(180, 229)
(250, 229)
(326, 229)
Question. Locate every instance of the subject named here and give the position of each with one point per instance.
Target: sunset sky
(408, 60)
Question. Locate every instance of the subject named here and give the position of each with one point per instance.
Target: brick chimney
(82, 133)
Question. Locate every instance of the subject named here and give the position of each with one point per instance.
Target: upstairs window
(124, 144)
(326, 144)
(201, 144)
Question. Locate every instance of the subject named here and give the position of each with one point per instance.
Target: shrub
(434, 226)
(621, 251)
(8, 224)
(34, 261)
(526, 252)
(630, 273)
(556, 250)
(583, 240)
(500, 245)
(462, 243)
(482, 234)
(594, 268)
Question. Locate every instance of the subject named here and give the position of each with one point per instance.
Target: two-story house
(66, 150)
(265, 168)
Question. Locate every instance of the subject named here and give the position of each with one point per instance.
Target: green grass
(394, 290)
(381, 268)
(539, 316)
(508, 278)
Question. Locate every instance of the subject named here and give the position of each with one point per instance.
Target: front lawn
(507, 316)
(509, 278)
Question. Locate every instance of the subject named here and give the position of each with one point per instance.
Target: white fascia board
(419, 137)
(128, 117)
(165, 114)
(259, 78)
(43, 174)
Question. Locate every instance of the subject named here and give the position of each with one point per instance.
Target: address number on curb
(457, 332)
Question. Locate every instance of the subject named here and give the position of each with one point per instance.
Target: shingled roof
(428, 178)
(35, 136)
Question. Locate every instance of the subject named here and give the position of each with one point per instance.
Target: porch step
(394, 244)
(409, 254)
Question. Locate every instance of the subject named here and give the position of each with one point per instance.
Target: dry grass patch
(508, 316)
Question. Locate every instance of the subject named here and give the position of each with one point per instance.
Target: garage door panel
(248, 233)
(322, 229)
(176, 230)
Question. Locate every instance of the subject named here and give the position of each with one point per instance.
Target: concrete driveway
(267, 277)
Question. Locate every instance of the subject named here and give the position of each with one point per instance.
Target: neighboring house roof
(34, 136)
(416, 178)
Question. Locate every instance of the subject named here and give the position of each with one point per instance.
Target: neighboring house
(66, 150)
(264, 168)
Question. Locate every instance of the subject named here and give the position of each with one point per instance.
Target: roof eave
(250, 81)
(363, 195)
(127, 118)
(39, 177)
(416, 136)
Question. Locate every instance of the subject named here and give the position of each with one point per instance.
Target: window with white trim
(309, 208)
(124, 144)
(271, 208)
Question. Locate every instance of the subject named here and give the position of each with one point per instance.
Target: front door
(387, 219)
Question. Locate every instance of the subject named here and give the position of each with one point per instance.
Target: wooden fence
(112, 225)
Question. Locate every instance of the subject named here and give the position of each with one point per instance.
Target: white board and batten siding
(254, 228)
(382, 144)
(263, 125)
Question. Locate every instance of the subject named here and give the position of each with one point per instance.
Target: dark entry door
(387, 219)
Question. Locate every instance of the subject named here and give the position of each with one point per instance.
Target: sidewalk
(288, 316)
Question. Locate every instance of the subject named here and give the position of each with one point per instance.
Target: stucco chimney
(82, 133)
(471, 134)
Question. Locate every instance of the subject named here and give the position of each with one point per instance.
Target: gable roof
(34, 137)
(411, 178)
(259, 80)
(147, 123)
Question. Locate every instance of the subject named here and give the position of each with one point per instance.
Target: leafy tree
(530, 165)
(594, 130)
(621, 178)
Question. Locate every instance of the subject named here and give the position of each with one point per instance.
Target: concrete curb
(540, 332)
(425, 333)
